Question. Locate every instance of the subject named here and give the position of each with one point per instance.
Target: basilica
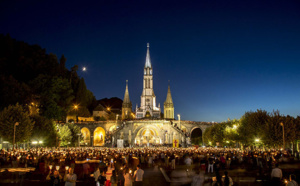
(146, 126)
(148, 107)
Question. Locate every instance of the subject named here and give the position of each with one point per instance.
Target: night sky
(222, 58)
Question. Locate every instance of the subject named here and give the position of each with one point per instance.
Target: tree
(44, 130)
(75, 130)
(56, 96)
(252, 126)
(9, 116)
(64, 134)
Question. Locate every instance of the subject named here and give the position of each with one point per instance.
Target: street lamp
(76, 109)
(16, 124)
(283, 135)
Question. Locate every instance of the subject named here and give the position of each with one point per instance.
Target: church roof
(148, 61)
(100, 108)
(169, 97)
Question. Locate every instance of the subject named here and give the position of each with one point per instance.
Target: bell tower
(169, 106)
(148, 98)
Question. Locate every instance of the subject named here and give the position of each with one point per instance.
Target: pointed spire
(126, 99)
(169, 96)
(148, 61)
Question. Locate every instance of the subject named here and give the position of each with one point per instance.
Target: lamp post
(15, 125)
(256, 141)
(76, 109)
(283, 135)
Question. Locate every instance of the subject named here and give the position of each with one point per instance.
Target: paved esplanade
(244, 167)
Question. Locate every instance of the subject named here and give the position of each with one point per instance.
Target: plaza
(244, 167)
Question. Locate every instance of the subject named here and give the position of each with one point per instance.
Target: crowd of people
(116, 166)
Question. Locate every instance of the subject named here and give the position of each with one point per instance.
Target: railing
(178, 130)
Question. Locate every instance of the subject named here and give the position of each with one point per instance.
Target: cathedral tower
(148, 99)
(169, 106)
(127, 105)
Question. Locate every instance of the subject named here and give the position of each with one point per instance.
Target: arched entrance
(196, 136)
(99, 136)
(147, 136)
(86, 136)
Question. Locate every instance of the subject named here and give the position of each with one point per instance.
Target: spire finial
(148, 62)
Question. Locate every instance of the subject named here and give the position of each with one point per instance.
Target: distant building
(100, 111)
(144, 126)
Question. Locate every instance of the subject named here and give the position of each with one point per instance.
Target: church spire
(126, 99)
(127, 105)
(148, 61)
(169, 97)
(169, 106)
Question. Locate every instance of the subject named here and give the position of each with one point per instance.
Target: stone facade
(148, 128)
(139, 132)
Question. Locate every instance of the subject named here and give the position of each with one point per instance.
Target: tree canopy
(11, 115)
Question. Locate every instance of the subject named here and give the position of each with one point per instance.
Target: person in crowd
(210, 165)
(292, 181)
(110, 168)
(276, 175)
(198, 179)
(102, 178)
(226, 180)
(96, 175)
(173, 161)
(86, 170)
(54, 178)
(138, 176)
(128, 178)
(188, 162)
(70, 178)
(114, 179)
(121, 178)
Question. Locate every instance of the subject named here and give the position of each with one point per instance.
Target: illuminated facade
(146, 127)
(148, 106)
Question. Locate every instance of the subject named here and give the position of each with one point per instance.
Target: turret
(127, 105)
(169, 106)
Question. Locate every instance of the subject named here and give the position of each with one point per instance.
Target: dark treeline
(31, 77)
(256, 128)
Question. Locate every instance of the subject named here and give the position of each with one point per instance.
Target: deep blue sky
(222, 57)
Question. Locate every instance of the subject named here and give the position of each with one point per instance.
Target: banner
(175, 143)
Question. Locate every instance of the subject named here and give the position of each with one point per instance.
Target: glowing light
(34, 142)
(234, 126)
(257, 140)
(57, 168)
(40, 142)
(67, 168)
(84, 69)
